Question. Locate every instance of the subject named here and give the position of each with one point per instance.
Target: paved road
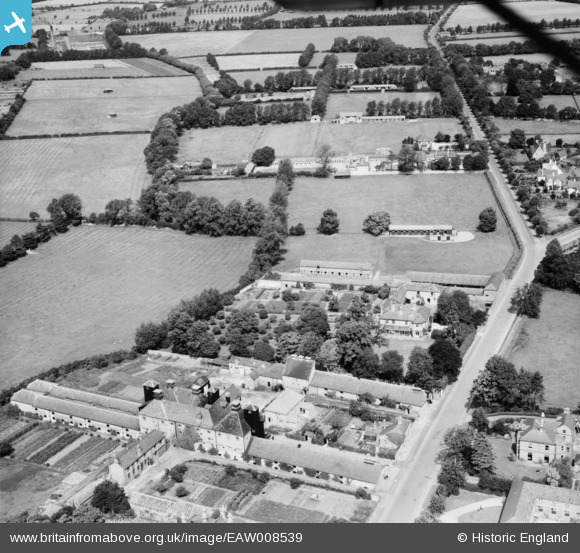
(403, 496)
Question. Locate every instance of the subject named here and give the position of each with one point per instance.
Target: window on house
(540, 509)
(547, 447)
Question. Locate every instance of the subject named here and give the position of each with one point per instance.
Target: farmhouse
(341, 269)
(438, 232)
(406, 321)
(345, 386)
(529, 502)
(348, 468)
(100, 413)
(546, 440)
(130, 463)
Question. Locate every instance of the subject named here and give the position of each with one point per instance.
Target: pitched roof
(178, 413)
(446, 279)
(274, 371)
(249, 362)
(80, 410)
(421, 227)
(139, 448)
(285, 402)
(520, 505)
(299, 368)
(540, 432)
(90, 398)
(316, 457)
(233, 423)
(221, 407)
(412, 313)
(336, 265)
(495, 280)
(349, 384)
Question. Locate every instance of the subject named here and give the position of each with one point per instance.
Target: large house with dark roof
(406, 321)
(545, 440)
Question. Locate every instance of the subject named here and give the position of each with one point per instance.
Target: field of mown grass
(54, 107)
(84, 290)
(535, 11)
(96, 168)
(551, 348)
(234, 144)
(421, 199)
(228, 190)
(276, 40)
(538, 127)
(8, 229)
(357, 101)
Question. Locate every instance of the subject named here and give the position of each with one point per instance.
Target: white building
(342, 269)
(406, 321)
(288, 410)
(440, 232)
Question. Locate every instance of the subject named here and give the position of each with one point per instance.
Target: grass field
(234, 144)
(24, 486)
(561, 101)
(554, 217)
(358, 101)
(276, 40)
(551, 348)
(424, 199)
(260, 61)
(228, 190)
(81, 106)
(531, 58)
(8, 229)
(98, 169)
(94, 285)
(258, 76)
(478, 14)
(541, 127)
(513, 36)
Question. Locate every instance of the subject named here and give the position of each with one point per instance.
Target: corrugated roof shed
(350, 384)
(320, 458)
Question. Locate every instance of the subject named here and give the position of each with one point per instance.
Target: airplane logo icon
(17, 23)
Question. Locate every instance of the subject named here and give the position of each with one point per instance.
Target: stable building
(438, 232)
(340, 269)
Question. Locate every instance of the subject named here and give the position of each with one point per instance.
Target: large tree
(555, 270)
(496, 385)
(325, 155)
(328, 355)
(391, 368)
(487, 220)
(352, 337)
(366, 364)
(109, 497)
(377, 223)
(527, 300)
(150, 336)
(446, 360)
(329, 222)
(420, 369)
(313, 319)
(264, 157)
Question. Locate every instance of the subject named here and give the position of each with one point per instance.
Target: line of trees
(411, 109)
(498, 27)
(306, 57)
(325, 85)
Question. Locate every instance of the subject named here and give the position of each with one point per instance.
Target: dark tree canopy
(446, 360)
(264, 157)
(487, 220)
(109, 497)
(329, 222)
(391, 368)
(377, 223)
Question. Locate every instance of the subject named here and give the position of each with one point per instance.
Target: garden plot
(89, 289)
(86, 453)
(98, 169)
(267, 511)
(36, 440)
(85, 106)
(262, 61)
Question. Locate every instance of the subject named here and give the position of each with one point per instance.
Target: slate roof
(349, 384)
(537, 434)
(221, 407)
(179, 394)
(299, 368)
(495, 280)
(178, 413)
(233, 423)
(313, 264)
(73, 408)
(520, 503)
(274, 371)
(90, 398)
(316, 457)
(139, 448)
(416, 315)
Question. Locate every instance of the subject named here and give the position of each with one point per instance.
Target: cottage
(141, 454)
(348, 468)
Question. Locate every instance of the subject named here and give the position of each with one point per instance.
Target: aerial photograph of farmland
(267, 264)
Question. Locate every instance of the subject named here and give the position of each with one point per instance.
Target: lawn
(535, 11)
(228, 190)
(531, 58)
(235, 144)
(270, 511)
(558, 362)
(24, 486)
(358, 101)
(513, 469)
(261, 61)
(82, 106)
(535, 127)
(561, 101)
(422, 199)
(98, 169)
(183, 45)
(489, 515)
(87, 291)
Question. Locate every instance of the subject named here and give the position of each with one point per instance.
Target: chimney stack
(228, 397)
